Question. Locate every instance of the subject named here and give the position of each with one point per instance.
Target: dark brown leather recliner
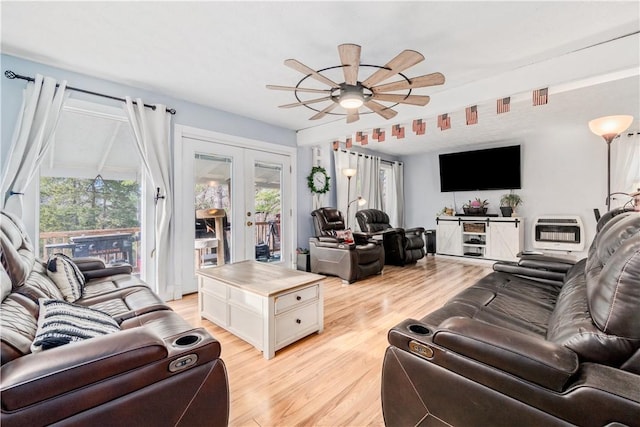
(401, 246)
(333, 256)
(521, 348)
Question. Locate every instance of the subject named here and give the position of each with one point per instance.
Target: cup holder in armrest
(187, 341)
(419, 329)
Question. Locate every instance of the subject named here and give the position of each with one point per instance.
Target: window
(90, 189)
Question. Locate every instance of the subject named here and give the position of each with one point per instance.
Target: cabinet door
(505, 240)
(449, 238)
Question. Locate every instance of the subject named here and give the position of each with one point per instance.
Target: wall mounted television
(489, 169)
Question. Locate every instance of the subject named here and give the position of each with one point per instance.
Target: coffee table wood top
(260, 278)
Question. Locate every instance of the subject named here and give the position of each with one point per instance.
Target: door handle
(249, 223)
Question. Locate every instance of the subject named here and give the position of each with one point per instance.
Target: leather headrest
(613, 277)
(5, 283)
(18, 254)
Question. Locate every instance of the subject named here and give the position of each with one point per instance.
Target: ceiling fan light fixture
(350, 100)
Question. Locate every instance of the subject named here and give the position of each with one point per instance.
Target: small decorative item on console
(475, 207)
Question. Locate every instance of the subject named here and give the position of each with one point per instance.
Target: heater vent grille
(561, 233)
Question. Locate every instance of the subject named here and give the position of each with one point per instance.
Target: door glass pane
(212, 210)
(268, 207)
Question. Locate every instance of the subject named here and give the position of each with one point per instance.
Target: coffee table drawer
(291, 299)
(296, 324)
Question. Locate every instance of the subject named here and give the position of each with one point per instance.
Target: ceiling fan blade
(350, 58)
(432, 79)
(298, 89)
(324, 112)
(299, 66)
(311, 101)
(402, 99)
(404, 60)
(380, 109)
(353, 115)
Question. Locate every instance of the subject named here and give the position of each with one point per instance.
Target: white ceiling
(222, 54)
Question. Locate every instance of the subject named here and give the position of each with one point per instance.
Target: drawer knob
(298, 297)
(298, 321)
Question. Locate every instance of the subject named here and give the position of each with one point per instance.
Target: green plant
(476, 203)
(511, 199)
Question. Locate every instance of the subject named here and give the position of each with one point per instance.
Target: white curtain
(343, 160)
(37, 121)
(625, 167)
(395, 209)
(151, 129)
(365, 183)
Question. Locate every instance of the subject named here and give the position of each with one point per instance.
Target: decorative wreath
(318, 180)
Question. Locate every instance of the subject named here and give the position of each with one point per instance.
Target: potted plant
(475, 207)
(508, 203)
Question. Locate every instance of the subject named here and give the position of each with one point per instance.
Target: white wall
(563, 172)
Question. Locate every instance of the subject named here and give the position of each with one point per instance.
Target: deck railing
(61, 242)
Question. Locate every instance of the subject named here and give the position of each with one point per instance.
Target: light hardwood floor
(333, 378)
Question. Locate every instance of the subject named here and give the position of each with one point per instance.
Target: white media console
(484, 237)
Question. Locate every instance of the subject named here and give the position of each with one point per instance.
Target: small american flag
(348, 144)
(378, 135)
(444, 121)
(472, 115)
(540, 96)
(419, 126)
(336, 145)
(397, 131)
(362, 138)
(503, 105)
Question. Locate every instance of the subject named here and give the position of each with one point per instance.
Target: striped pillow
(66, 275)
(61, 322)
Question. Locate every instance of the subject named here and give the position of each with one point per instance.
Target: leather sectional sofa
(153, 368)
(542, 342)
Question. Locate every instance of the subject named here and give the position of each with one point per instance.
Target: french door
(235, 205)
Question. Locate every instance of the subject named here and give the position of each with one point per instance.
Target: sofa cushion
(61, 322)
(66, 275)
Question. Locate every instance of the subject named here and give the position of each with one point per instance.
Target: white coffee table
(266, 305)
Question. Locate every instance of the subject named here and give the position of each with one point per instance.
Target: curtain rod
(11, 75)
(355, 153)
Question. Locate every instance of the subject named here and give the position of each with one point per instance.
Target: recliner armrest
(414, 230)
(40, 376)
(108, 271)
(539, 274)
(89, 263)
(533, 359)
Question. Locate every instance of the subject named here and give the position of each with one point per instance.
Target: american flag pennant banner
(444, 121)
(472, 115)
(378, 135)
(362, 138)
(419, 126)
(336, 145)
(540, 96)
(397, 131)
(503, 105)
(349, 143)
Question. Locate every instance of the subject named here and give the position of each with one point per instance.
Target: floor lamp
(349, 173)
(609, 128)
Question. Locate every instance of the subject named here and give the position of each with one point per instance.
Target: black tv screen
(490, 169)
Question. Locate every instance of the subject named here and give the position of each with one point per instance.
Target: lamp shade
(349, 172)
(610, 125)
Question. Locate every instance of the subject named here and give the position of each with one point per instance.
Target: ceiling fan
(353, 94)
